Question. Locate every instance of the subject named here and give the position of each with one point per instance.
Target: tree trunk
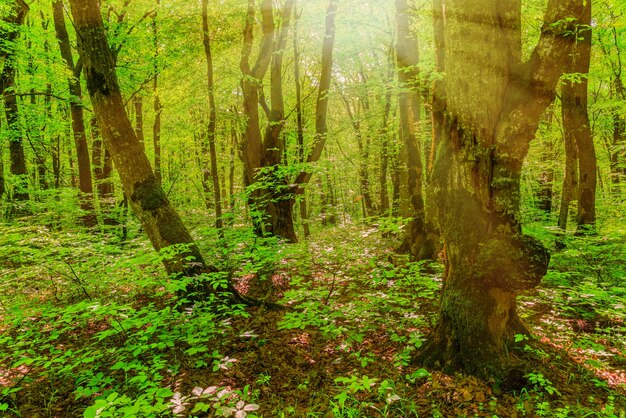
(494, 103)
(304, 216)
(619, 141)
(85, 185)
(2, 181)
(384, 140)
(576, 124)
(138, 104)
(417, 241)
(102, 168)
(569, 191)
(7, 88)
(156, 127)
(363, 148)
(262, 155)
(211, 128)
(146, 197)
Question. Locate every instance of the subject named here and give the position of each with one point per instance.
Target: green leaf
(164, 393)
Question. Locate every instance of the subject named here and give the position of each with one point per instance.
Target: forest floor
(89, 328)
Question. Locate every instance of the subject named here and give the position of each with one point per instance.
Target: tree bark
(569, 191)
(494, 102)
(146, 197)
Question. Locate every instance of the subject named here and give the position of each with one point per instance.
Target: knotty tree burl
(493, 103)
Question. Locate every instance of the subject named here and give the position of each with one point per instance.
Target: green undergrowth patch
(91, 327)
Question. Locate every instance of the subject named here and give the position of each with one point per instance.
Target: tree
(211, 128)
(494, 102)
(274, 191)
(161, 222)
(17, 14)
(78, 120)
(158, 107)
(576, 122)
(418, 240)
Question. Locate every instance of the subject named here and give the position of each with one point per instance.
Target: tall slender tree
(10, 33)
(575, 97)
(212, 126)
(158, 107)
(407, 54)
(76, 112)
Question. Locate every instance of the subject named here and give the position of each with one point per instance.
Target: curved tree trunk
(494, 103)
(146, 197)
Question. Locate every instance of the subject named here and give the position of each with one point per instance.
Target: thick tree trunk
(146, 197)
(494, 103)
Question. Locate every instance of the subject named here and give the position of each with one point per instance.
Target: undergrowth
(91, 327)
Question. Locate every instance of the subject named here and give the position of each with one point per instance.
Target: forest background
(320, 180)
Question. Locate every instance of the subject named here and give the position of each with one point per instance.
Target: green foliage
(541, 384)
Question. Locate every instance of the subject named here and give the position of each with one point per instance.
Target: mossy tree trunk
(146, 197)
(494, 102)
